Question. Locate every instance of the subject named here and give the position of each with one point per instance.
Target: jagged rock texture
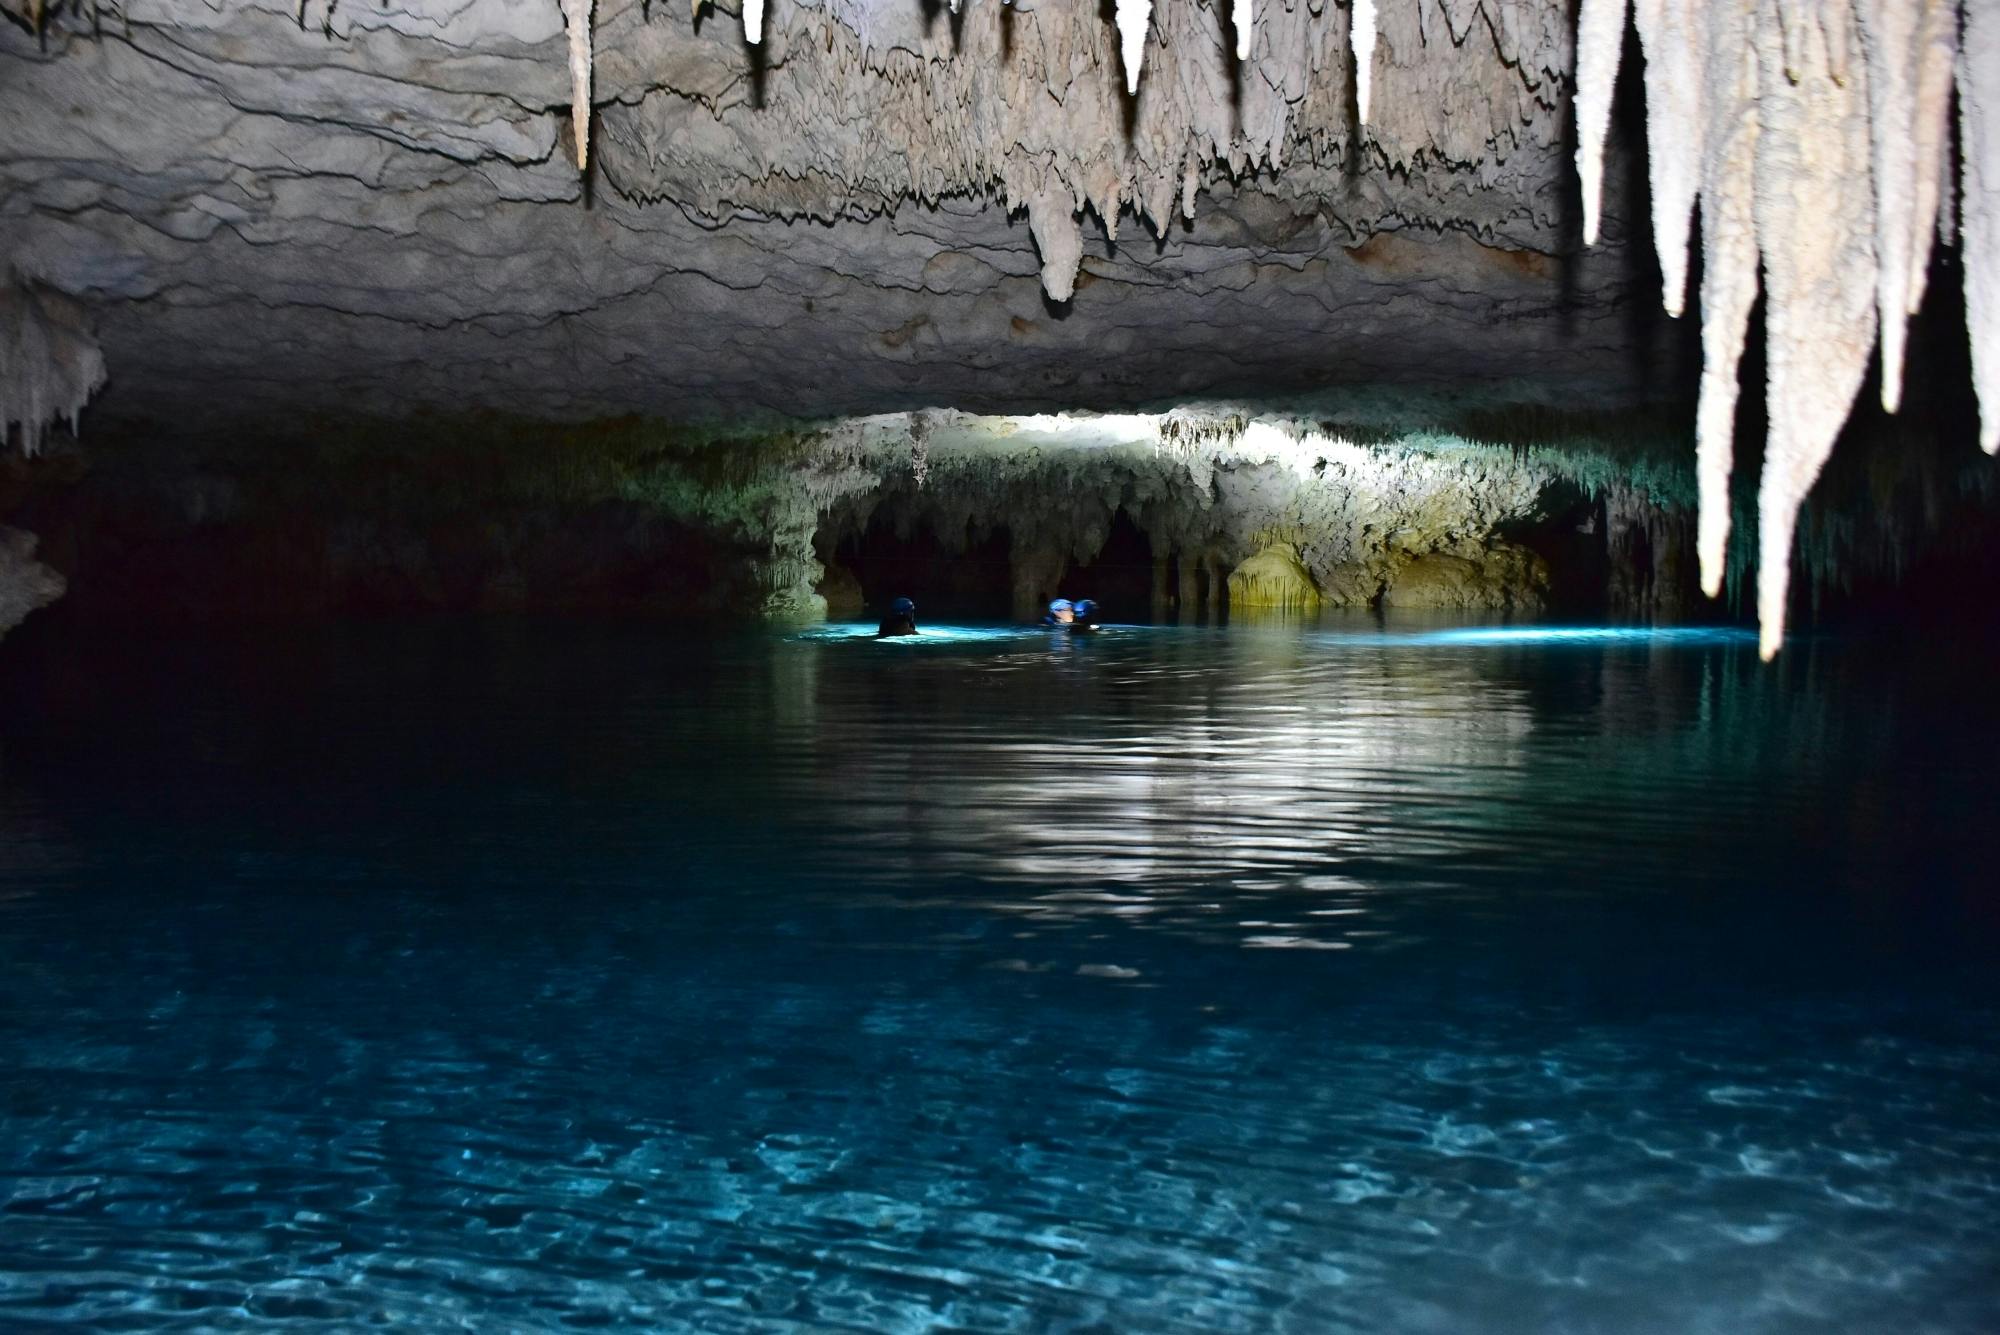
(1814, 132)
(274, 209)
(1285, 513)
(25, 583)
(50, 364)
(286, 204)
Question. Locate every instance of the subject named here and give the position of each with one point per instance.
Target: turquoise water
(1259, 978)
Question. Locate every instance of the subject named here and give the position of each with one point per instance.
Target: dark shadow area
(759, 71)
(1120, 577)
(1569, 538)
(896, 560)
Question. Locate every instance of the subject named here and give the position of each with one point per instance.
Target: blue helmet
(1086, 608)
(1059, 605)
(904, 607)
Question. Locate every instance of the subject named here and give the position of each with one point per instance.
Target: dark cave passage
(1120, 577)
(986, 574)
(895, 556)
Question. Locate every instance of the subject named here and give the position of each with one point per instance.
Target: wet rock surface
(25, 583)
(377, 210)
(1498, 576)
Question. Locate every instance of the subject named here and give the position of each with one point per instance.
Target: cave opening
(1124, 577)
(896, 555)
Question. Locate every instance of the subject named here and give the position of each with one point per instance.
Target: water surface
(1260, 978)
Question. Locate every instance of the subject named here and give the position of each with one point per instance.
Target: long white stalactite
(1814, 135)
(1979, 203)
(1361, 40)
(1134, 17)
(1911, 49)
(1813, 190)
(1729, 273)
(576, 16)
(1600, 41)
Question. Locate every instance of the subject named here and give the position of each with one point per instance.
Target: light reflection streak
(1305, 630)
(1198, 779)
(1674, 636)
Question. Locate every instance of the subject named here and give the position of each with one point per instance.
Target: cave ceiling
(273, 207)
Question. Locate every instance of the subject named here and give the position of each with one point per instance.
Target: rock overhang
(274, 207)
(844, 207)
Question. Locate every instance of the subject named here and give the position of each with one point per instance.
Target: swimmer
(1061, 614)
(902, 619)
(1085, 613)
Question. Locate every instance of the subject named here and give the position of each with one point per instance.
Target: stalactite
(1813, 133)
(1052, 220)
(1979, 206)
(1242, 15)
(1600, 40)
(1133, 18)
(1910, 52)
(1361, 41)
(49, 363)
(1675, 71)
(1729, 273)
(1814, 207)
(576, 14)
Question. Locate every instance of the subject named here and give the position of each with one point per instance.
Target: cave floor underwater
(1303, 976)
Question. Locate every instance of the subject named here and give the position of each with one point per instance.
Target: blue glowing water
(1208, 979)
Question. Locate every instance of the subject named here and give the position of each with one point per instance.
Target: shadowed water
(1177, 979)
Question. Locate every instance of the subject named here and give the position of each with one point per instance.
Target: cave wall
(1412, 519)
(1340, 503)
(574, 208)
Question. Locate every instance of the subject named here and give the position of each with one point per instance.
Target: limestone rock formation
(1499, 577)
(25, 583)
(1281, 511)
(1814, 133)
(1273, 576)
(49, 364)
(577, 208)
(274, 208)
(840, 590)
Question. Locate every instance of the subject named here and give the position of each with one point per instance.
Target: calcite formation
(1280, 511)
(275, 207)
(1274, 576)
(49, 364)
(582, 207)
(1815, 135)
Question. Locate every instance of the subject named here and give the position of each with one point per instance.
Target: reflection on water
(1265, 977)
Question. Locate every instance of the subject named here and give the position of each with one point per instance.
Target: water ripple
(1317, 979)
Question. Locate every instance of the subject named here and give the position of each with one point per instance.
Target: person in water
(1067, 615)
(902, 619)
